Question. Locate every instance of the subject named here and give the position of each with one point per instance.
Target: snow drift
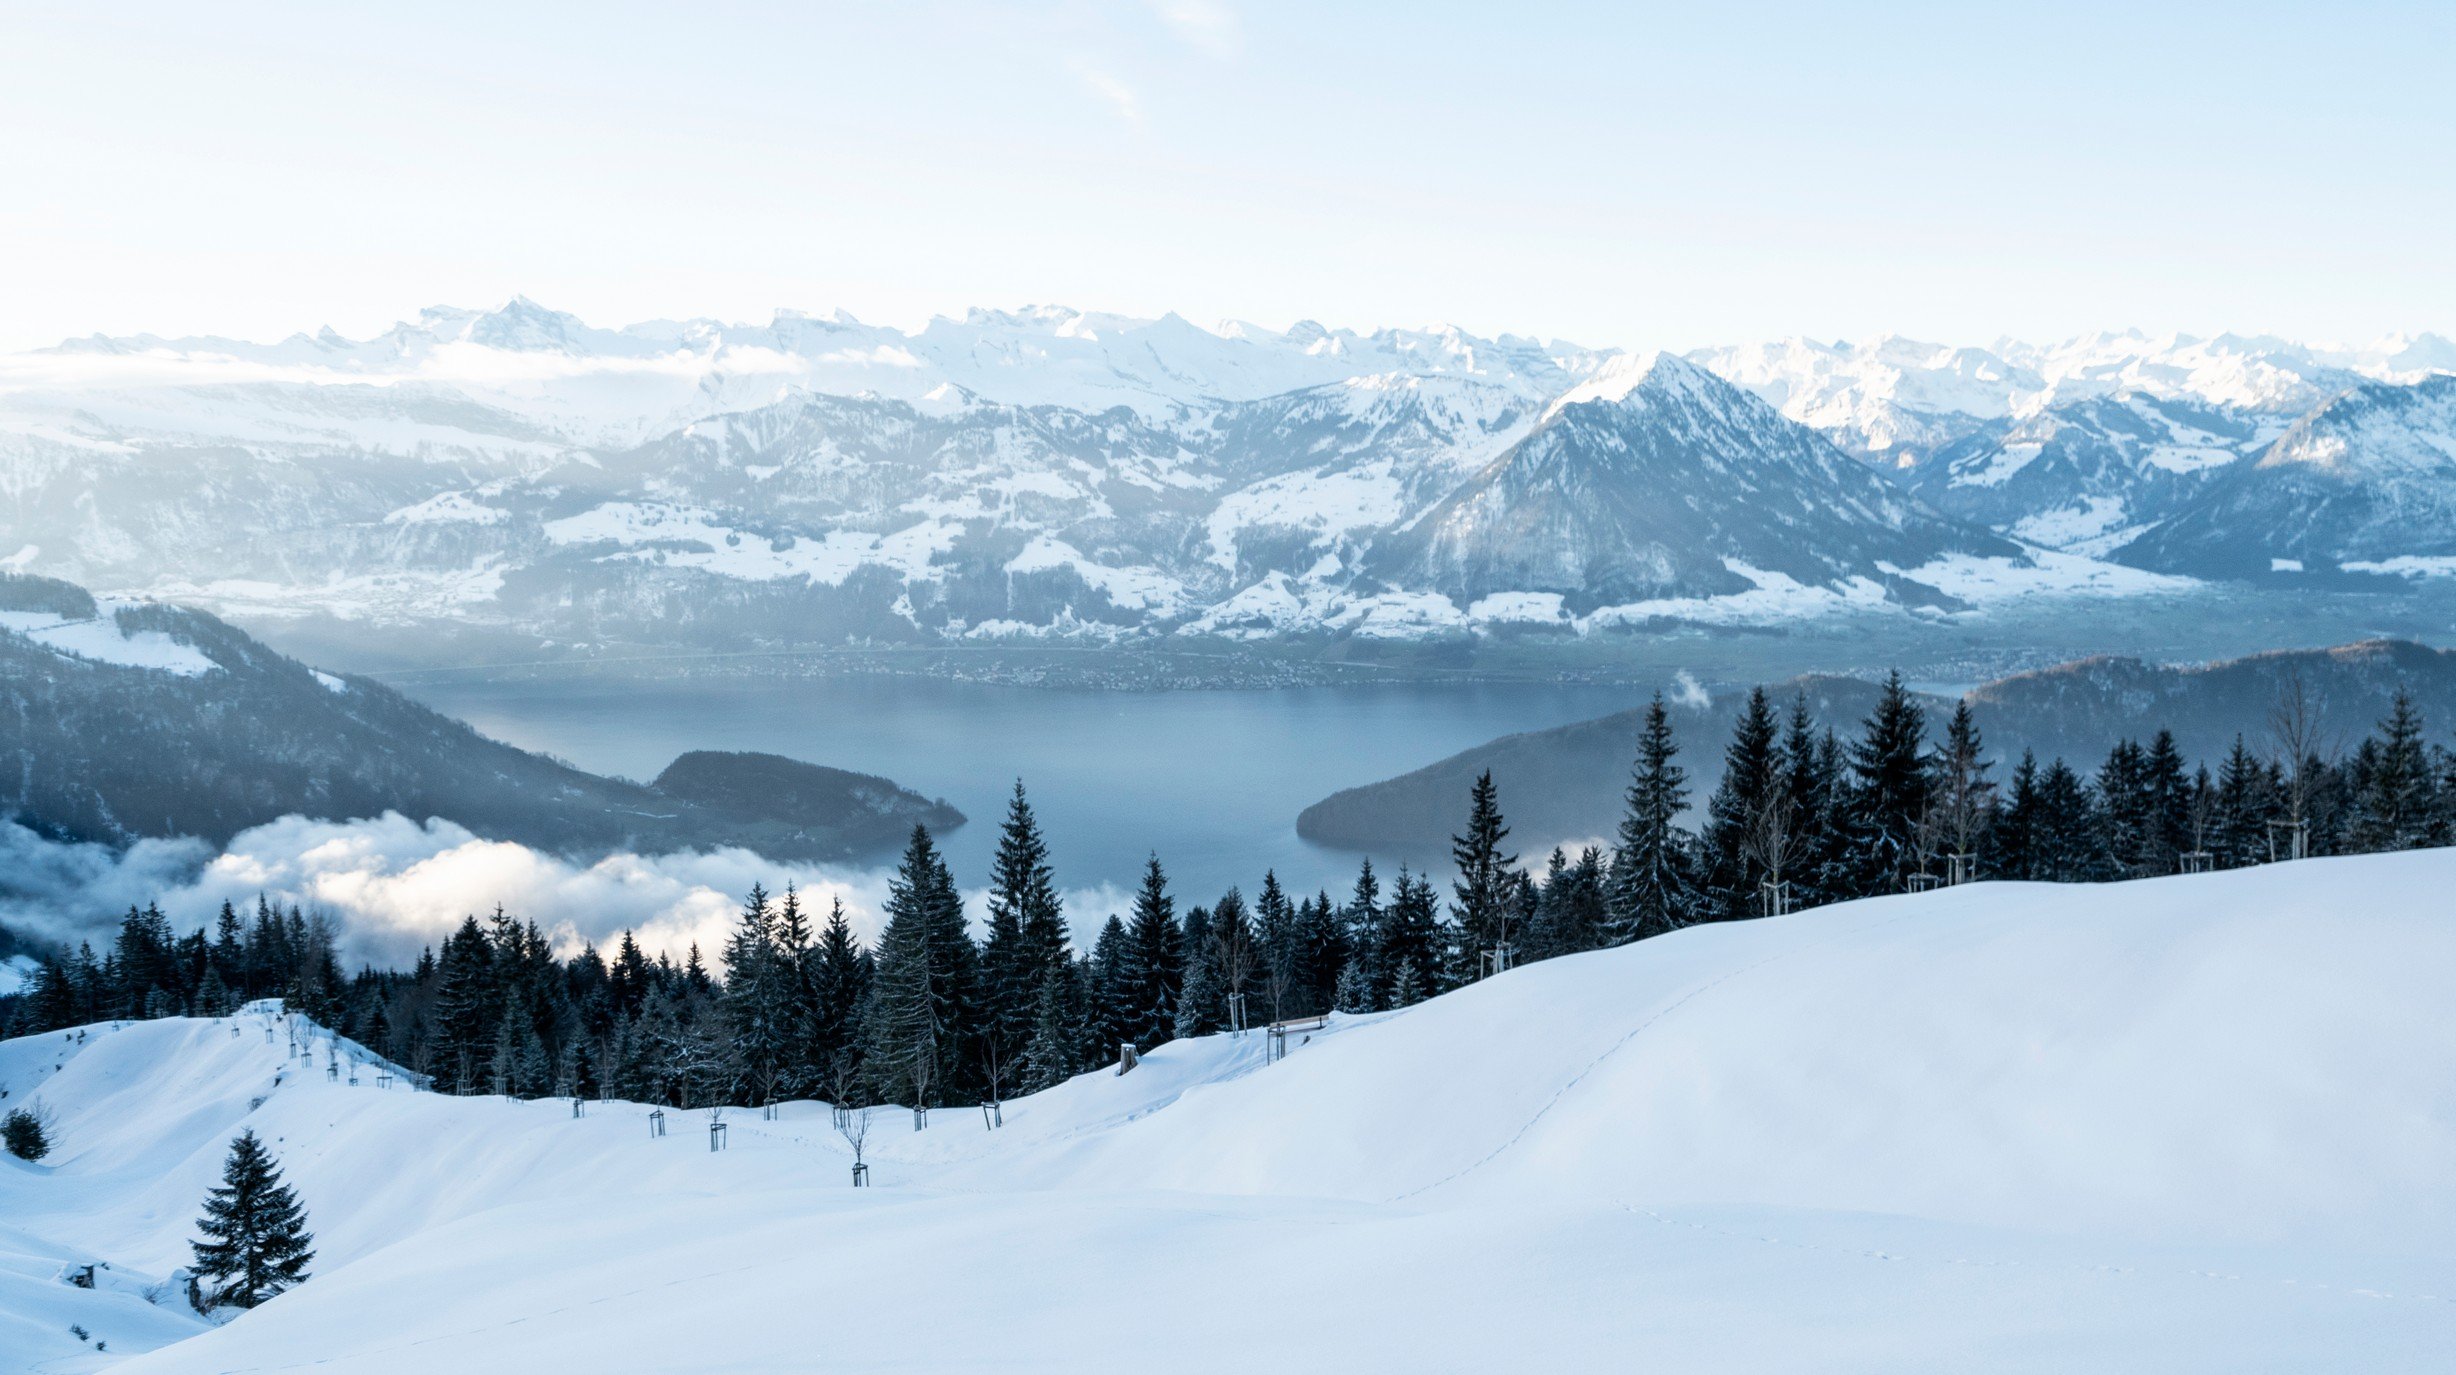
(2186, 1124)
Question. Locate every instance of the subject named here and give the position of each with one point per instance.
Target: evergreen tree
(839, 979)
(1361, 923)
(2245, 803)
(1811, 773)
(1571, 914)
(1053, 1055)
(914, 1024)
(1275, 934)
(1654, 886)
(1751, 783)
(1027, 930)
(1114, 984)
(759, 999)
(1202, 999)
(465, 1016)
(255, 1233)
(1963, 797)
(1890, 792)
(2396, 806)
(2067, 843)
(1155, 967)
(1236, 954)
(1411, 940)
(2011, 845)
(1321, 952)
(1482, 893)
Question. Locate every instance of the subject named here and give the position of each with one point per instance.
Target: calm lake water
(1211, 781)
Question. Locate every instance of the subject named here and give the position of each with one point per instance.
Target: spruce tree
(914, 1032)
(1750, 783)
(1027, 928)
(1053, 1054)
(1275, 939)
(1202, 1001)
(1114, 982)
(758, 999)
(1810, 775)
(1963, 797)
(256, 1242)
(1482, 892)
(1653, 876)
(1155, 962)
(2395, 804)
(839, 979)
(1890, 795)
(1411, 940)
(2067, 842)
(2012, 832)
(2245, 803)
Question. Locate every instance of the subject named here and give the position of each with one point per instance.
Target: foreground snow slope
(2189, 1124)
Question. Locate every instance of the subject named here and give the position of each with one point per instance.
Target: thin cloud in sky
(1117, 94)
(1206, 24)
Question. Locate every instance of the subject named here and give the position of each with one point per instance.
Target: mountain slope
(2085, 475)
(2367, 483)
(1566, 784)
(1658, 479)
(134, 720)
(2136, 1127)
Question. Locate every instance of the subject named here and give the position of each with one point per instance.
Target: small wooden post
(1127, 1059)
(861, 1175)
(656, 1123)
(716, 1135)
(578, 1108)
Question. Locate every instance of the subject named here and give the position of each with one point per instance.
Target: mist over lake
(1210, 780)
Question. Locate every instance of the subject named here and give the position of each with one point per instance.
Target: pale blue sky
(1633, 174)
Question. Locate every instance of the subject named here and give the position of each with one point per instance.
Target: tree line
(929, 1014)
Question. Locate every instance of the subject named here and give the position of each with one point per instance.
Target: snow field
(2197, 1123)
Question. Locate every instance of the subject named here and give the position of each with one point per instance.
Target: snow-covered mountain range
(1054, 472)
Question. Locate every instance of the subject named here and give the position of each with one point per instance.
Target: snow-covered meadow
(2197, 1123)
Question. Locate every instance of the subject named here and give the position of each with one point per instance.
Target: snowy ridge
(2166, 1112)
(810, 480)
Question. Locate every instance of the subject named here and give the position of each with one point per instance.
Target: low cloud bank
(395, 885)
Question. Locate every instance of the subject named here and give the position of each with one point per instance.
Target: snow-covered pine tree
(1653, 876)
(1027, 929)
(256, 1242)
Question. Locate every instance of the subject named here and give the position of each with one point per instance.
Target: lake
(1209, 780)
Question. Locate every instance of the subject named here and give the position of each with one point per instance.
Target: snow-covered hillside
(2186, 1124)
(1055, 472)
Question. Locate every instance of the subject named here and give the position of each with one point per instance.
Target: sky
(1632, 174)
